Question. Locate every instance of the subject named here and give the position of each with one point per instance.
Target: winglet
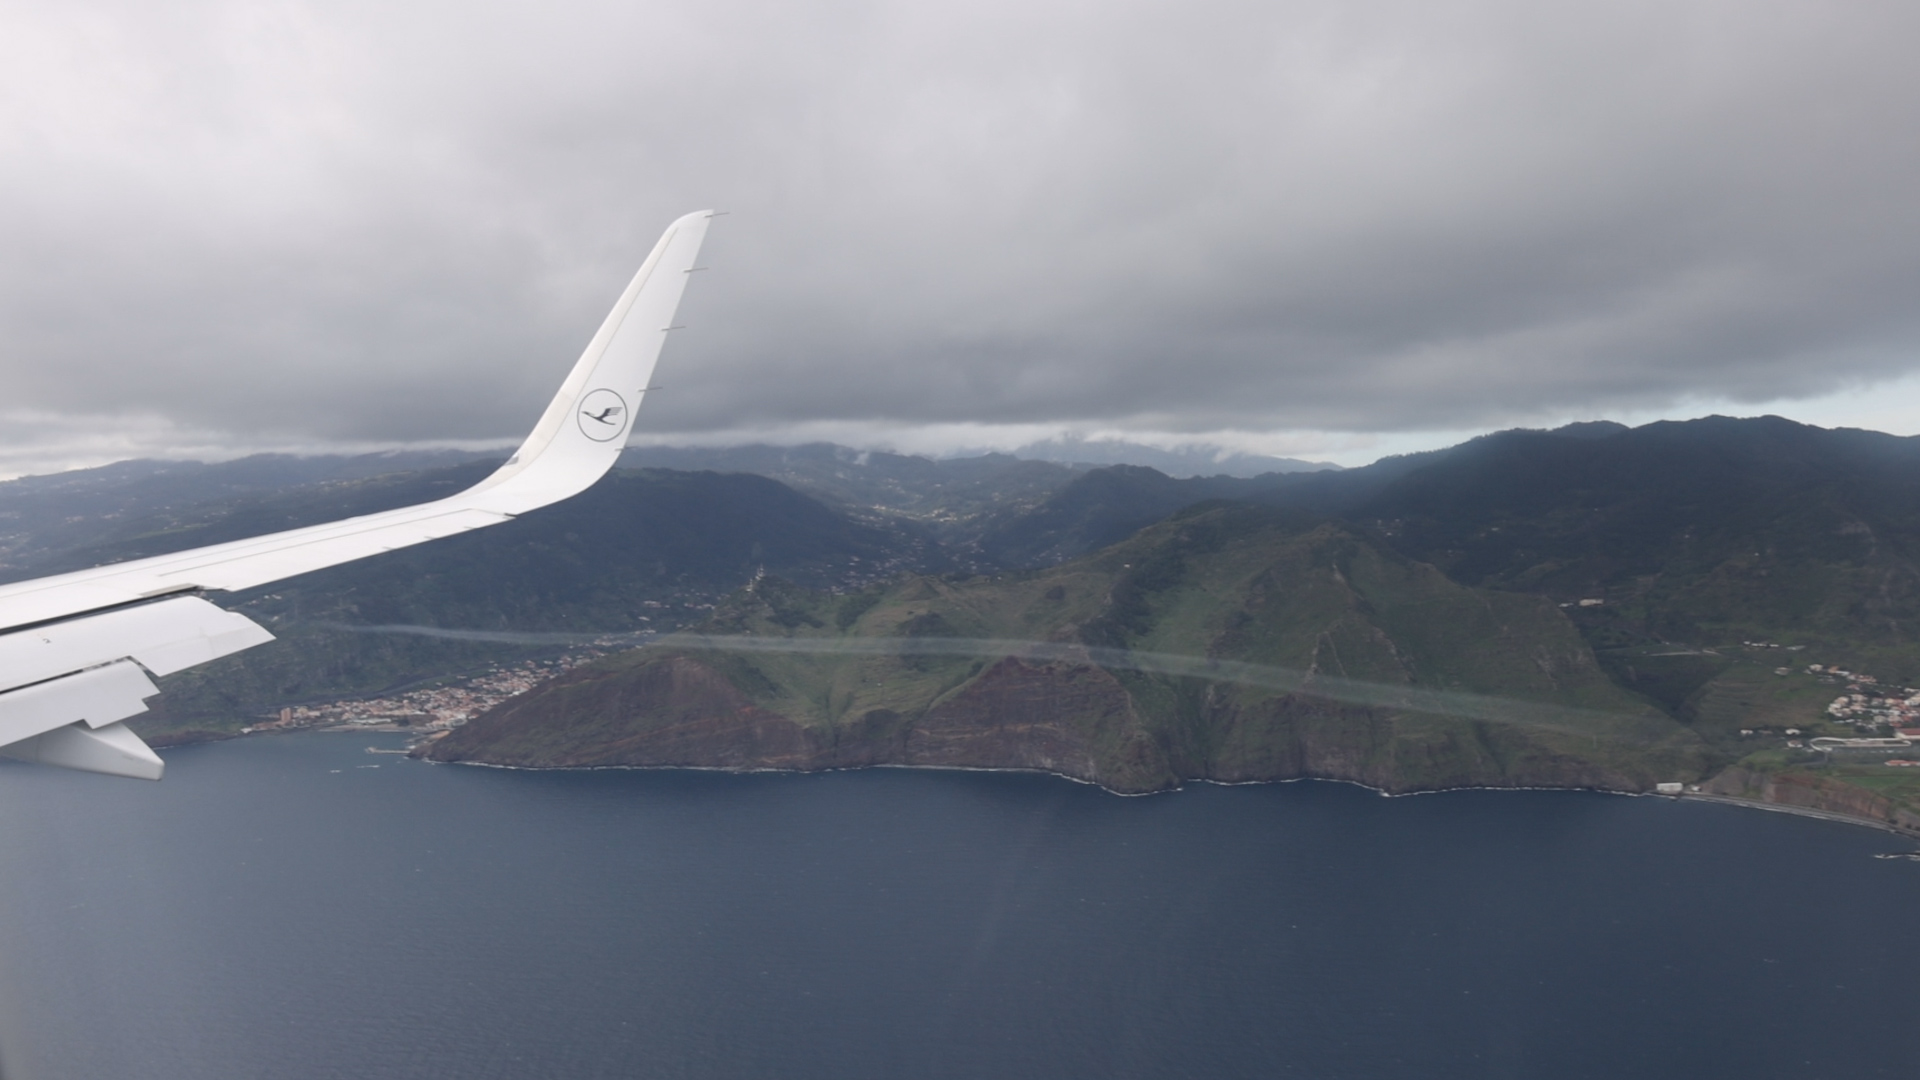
(584, 429)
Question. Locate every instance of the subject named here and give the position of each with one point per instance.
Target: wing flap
(114, 750)
(93, 698)
(69, 685)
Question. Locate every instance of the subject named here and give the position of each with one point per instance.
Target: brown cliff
(679, 711)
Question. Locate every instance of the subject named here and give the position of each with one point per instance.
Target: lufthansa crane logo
(603, 415)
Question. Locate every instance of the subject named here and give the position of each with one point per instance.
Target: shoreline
(202, 736)
(1798, 811)
(1695, 796)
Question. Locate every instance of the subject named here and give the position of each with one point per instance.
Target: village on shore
(432, 711)
(1888, 717)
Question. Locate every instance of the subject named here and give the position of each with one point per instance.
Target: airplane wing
(76, 649)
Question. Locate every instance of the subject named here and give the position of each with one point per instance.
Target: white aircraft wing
(76, 649)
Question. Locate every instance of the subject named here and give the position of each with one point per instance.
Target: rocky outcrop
(692, 716)
(1075, 720)
(1055, 717)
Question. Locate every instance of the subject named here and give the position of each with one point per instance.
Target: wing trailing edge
(76, 649)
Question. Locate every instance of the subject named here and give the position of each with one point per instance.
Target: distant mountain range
(1679, 577)
(806, 461)
(1183, 462)
(936, 491)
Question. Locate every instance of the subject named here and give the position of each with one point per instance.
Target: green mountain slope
(1686, 541)
(1714, 528)
(1292, 607)
(1694, 537)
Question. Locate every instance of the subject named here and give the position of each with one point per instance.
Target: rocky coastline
(1079, 722)
(1076, 721)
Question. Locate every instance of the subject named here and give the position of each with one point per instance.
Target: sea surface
(281, 907)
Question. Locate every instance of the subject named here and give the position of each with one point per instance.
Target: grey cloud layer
(346, 221)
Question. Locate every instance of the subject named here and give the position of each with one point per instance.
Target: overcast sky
(1317, 228)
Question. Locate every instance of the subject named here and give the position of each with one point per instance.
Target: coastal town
(430, 710)
(1887, 717)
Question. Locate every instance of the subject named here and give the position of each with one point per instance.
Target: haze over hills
(940, 492)
(44, 515)
(1180, 462)
(1080, 454)
(1650, 555)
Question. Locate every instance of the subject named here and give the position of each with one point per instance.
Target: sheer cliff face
(1228, 584)
(1024, 715)
(692, 716)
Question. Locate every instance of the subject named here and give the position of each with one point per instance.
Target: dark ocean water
(258, 914)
